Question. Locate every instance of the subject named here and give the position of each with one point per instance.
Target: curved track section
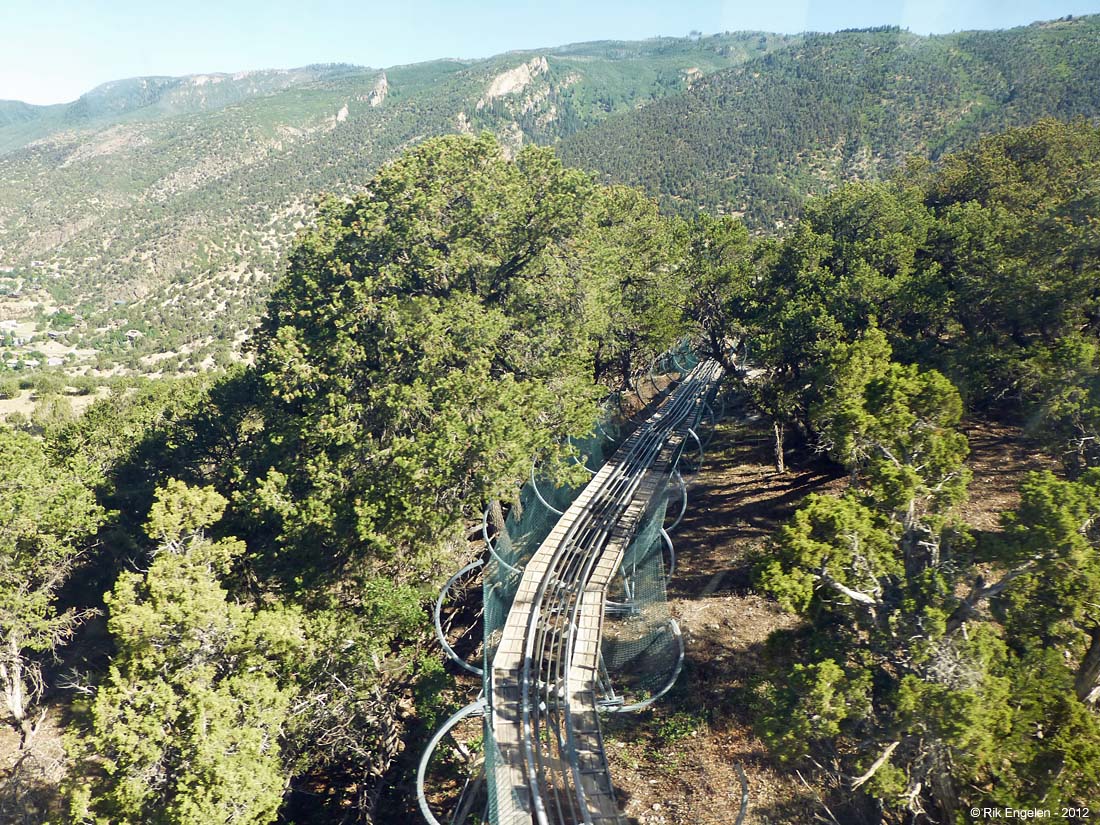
(543, 685)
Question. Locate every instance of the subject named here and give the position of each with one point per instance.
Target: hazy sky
(53, 51)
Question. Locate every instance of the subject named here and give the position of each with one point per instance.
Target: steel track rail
(553, 617)
(585, 535)
(594, 591)
(541, 684)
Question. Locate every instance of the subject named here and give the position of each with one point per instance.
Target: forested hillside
(165, 206)
(754, 140)
(143, 224)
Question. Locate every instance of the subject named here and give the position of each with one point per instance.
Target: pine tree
(45, 512)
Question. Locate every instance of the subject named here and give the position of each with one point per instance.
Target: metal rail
(563, 765)
(437, 614)
(473, 709)
(543, 681)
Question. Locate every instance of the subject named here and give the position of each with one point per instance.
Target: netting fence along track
(642, 649)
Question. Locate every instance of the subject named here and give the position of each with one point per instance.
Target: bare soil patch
(1000, 457)
(30, 778)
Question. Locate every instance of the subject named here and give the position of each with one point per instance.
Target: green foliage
(720, 269)
(834, 538)
(885, 678)
(361, 669)
(983, 272)
(1055, 530)
(1013, 250)
(51, 413)
(680, 725)
(1050, 617)
(842, 268)
(181, 511)
(1051, 753)
(431, 337)
(810, 706)
(1068, 421)
(99, 442)
(893, 427)
(636, 258)
(62, 319)
(185, 727)
(917, 711)
(45, 512)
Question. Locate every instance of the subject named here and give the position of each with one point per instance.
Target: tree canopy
(439, 332)
(186, 726)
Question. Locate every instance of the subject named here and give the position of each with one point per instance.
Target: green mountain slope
(160, 208)
(154, 211)
(755, 139)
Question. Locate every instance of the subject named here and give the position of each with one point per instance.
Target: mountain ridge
(159, 221)
(840, 105)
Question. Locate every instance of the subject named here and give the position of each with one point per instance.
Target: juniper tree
(46, 512)
(637, 258)
(431, 337)
(186, 726)
(913, 708)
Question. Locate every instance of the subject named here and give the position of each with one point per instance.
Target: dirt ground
(999, 459)
(25, 402)
(680, 761)
(29, 779)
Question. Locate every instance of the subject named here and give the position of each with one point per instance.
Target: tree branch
(878, 763)
(854, 595)
(1087, 683)
(979, 593)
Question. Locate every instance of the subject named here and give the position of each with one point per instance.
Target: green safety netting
(641, 647)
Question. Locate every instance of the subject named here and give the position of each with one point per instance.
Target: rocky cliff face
(514, 80)
(378, 94)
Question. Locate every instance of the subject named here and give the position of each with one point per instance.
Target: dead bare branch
(878, 763)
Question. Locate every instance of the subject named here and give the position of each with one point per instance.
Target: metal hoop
(645, 703)
(587, 469)
(671, 552)
(713, 424)
(538, 494)
(699, 444)
(477, 708)
(492, 550)
(683, 500)
(649, 375)
(450, 651)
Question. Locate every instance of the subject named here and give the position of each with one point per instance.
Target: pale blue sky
(54, 50)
